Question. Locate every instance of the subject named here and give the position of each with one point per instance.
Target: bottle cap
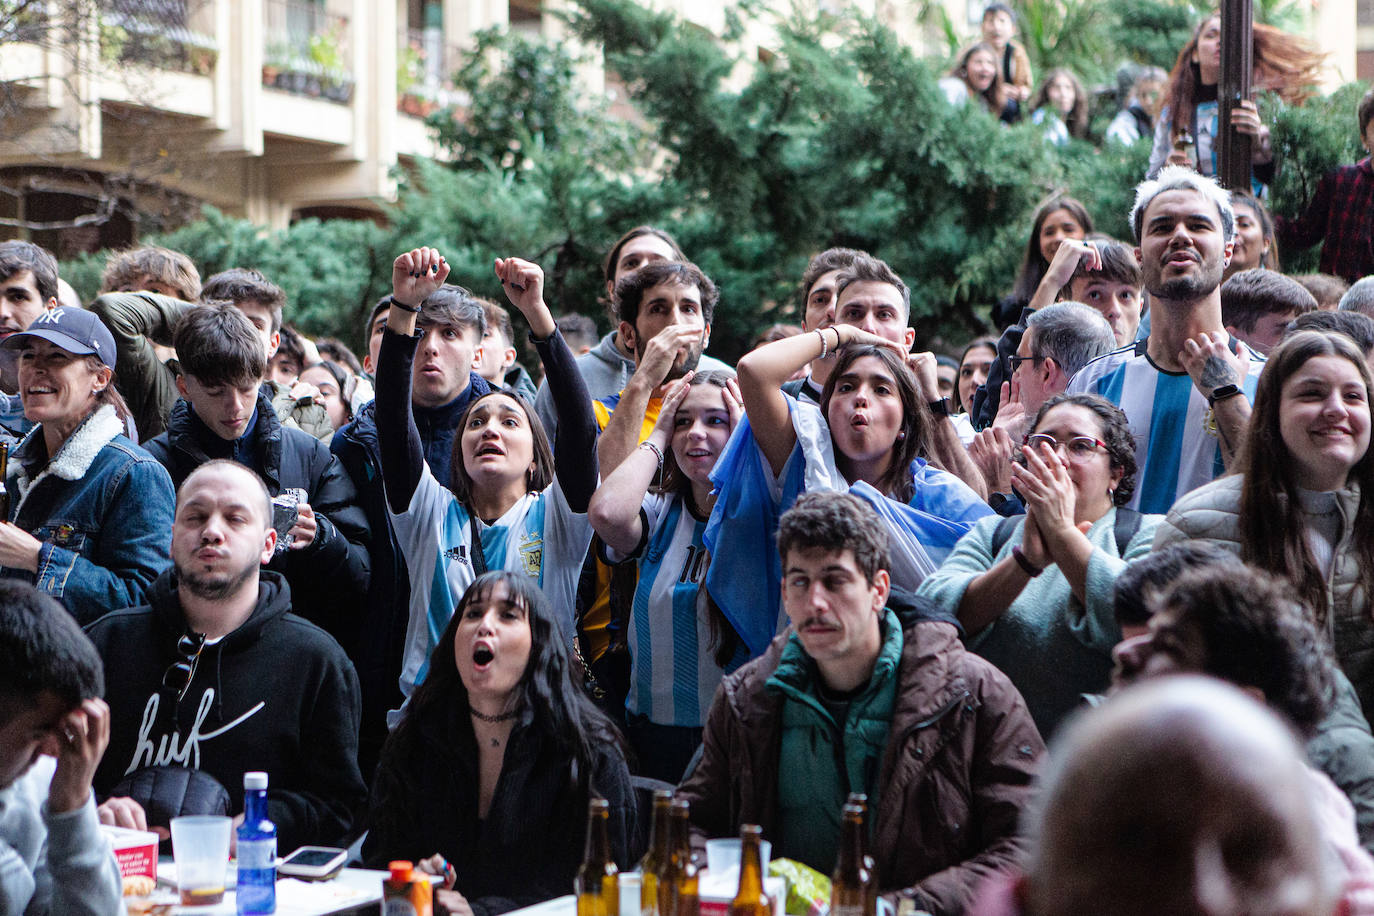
(254, 780)
(401, 871)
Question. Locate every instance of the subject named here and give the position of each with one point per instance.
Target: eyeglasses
(1016, 361)
(177, 678)
(1078, 446)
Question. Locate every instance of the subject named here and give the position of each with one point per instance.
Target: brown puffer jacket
(956, 774)
(1212, 513)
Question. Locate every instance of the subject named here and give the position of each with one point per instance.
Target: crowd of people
(445, 598)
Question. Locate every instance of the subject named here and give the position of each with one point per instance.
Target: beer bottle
(4, 490)
(750, 900)
(656, 858)
(677, 884)
(852, 887)
(598, 880)
(860, 799)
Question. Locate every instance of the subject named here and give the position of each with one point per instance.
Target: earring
(901, 435)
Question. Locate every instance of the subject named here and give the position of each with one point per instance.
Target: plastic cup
(200, 846)
(723, 855)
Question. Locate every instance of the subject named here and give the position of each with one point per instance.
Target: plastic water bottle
(257, 847)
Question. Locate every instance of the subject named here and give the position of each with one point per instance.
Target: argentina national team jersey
(1177, 448)
(540, 536)
(673, 671)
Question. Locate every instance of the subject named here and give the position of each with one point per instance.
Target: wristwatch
(940, 408)
(1222, 393)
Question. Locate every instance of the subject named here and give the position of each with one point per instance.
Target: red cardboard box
(135, 850)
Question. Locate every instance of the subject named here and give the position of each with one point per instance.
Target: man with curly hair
(1208, 613)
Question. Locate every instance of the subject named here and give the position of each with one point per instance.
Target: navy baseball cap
(75, 330)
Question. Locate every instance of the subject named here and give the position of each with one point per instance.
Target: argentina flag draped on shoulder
(745, 575)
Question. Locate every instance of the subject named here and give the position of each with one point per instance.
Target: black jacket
(277, 694)
(528, 848)
(329, 578)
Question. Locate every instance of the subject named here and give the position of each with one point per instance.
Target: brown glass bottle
(677, 884)
(598, 880)
(851, 890)
(656, 858)
(860, 799)
(750, 899)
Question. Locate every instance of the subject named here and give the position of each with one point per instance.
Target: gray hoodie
(53, 863)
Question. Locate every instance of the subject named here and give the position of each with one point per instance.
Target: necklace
(503, 717)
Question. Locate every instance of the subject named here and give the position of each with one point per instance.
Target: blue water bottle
(257, 848)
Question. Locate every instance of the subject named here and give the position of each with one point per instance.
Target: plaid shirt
(1342, 213)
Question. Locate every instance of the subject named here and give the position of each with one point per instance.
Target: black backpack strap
(1003, 532)
(1125, 529)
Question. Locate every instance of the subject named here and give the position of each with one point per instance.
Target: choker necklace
(503, 717)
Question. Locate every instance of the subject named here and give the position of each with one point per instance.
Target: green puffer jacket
(824, 759)
(954, 777)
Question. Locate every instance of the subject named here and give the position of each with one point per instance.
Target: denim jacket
(102, 508)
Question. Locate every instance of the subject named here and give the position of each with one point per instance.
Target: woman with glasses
(89, 512)
(1297, 506)
(1034, 592)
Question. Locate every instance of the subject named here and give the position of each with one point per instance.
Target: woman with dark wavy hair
(1187, 132)
(1034, 592)
(1300, 503)
(486, 779)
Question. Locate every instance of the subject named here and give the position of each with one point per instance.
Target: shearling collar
(76, 455)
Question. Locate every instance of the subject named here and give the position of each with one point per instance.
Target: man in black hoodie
(226, 412)
(216, 675)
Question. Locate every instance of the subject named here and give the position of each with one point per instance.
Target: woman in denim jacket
(90, 513)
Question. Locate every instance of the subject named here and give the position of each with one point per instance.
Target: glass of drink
(200, 846)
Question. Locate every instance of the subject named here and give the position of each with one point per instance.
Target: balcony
(425, 66)
(154, 33)
(306, 51)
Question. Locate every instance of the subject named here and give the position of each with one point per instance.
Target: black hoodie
(277, 694)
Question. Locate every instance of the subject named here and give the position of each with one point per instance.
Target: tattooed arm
(1212, 365)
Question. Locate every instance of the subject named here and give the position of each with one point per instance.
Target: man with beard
(1186, 388)
(217, 675)
(665, 312)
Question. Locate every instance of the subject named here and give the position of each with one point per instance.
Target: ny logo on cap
(50, 316)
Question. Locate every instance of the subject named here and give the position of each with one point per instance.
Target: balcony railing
(425, 66)
(154, 33)
(307, 50)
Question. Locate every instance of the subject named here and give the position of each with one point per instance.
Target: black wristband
(1030, 568)
(413, 309)
(1222, 393)
(940, 408)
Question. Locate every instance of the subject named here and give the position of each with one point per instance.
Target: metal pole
(1237, 67)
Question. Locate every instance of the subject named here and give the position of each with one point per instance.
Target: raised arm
(1217, 371)
(574, 448)
(622, 433)
(615, 509)
(414, 276)
(1071, 253)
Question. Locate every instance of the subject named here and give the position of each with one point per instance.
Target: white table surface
(352, 888)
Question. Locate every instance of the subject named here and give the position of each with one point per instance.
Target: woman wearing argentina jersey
(504, 507)
(680, 643)
(870, 435)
